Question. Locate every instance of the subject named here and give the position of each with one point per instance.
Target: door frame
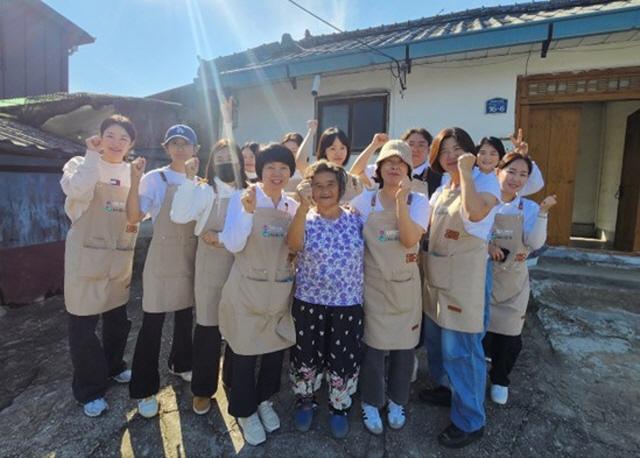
(548, 89)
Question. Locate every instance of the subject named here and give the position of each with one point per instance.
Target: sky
(147, 46)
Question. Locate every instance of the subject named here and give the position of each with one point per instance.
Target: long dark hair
(326, 140)
(459, 135)
(210, 171)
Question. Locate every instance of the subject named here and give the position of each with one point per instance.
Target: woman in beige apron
(394, 221)
(255, 306)
(454, 290)
(98, 261)
(167, 279)
(335, 147)
(520, 227)
(206, 204)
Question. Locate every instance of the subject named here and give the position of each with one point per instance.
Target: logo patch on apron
(269, 230)
(411, 257)
(502, 234)
(521, 257)
(454, 308)
(451, 234)
(415, 327)
(114, 206)
(389, 236)
(131, 229)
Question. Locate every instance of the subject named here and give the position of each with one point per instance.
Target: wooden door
(628, 220)
(553, 134)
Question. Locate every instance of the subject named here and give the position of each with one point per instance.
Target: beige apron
(510, 295)
(353, 188)
(455, 269)
(213, 264)
(392, 303)
(167, 278)
(99, 254)
(255, 308)
(421, 187)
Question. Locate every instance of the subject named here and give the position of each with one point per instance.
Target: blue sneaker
(303, 415)
(339, 423)
(96, 407)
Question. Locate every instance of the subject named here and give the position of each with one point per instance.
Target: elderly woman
(327, 307)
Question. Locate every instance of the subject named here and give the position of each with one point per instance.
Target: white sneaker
(96, 407)
(186, 376)
(269, 417)
(252, 429)
(395, 415)
(371, 418)
(414, 374)
(499, 394)
(123, 377)
(148, 407)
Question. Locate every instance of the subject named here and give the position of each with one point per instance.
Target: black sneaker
(439, 396)
(454, 437)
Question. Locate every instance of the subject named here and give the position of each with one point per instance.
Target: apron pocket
(253, 295)
(121, 265)
(95, 263)
(507, 285)
(438, 271)
(285, 275)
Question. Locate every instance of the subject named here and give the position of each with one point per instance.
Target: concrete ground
(575, 389)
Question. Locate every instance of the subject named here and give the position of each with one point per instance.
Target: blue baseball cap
(180, 131)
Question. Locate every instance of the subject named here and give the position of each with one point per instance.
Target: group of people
(350, 270)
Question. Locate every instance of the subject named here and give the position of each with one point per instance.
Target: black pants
(503, 351)
(372, 383)
(145, 379)
(245, 392)
(328, 345)
(94, 362)
(206, 360)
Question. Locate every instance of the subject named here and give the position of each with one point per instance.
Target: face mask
(225, 172)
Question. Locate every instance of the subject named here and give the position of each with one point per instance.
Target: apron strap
(164, 177)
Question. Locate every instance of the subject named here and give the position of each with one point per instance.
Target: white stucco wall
(438, 95)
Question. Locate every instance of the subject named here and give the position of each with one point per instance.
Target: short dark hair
(210, 172)
(326, 140)
(323, 165)
(420, 131)
(119, 120)
(512, 157)
(254, 147)
(274, 152)
(492, 141)
(459, 135)
(292, 137)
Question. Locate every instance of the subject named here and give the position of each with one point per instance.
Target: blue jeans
(456, 360)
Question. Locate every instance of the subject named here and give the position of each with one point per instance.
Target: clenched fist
(137, 168)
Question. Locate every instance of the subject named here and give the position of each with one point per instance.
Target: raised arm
(302, 158)
(475, 205)
(134, 215)
(410, 231)
(360, 164)
(295, 234)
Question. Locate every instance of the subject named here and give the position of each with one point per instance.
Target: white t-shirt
(419, 209)
(153, 189)
(80, 176)
(238, 223)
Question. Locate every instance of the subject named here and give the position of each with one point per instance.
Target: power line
(399, 68)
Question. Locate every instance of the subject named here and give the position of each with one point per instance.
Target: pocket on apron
(404, 293)
(121, 265)
(95, 263)
(506, 284)
(280, 297)
(438, 271)
(253, 296)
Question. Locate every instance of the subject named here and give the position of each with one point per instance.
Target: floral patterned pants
(329, 344)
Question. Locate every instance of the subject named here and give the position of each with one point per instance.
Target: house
(567, 72)
(37, 136)
(35, 45)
